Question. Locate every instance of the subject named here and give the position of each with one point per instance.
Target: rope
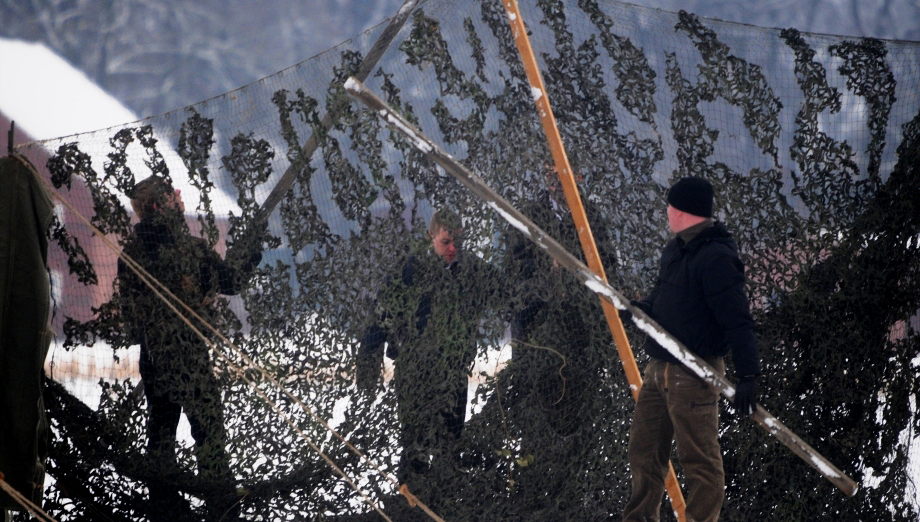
(162, 292)
(561, 367)
(23, 501)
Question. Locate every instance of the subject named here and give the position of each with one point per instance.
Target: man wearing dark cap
(699, 298)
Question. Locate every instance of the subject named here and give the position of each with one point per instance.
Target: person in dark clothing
(556, 373)
(428, 316)
(175, 364)
(699, 298)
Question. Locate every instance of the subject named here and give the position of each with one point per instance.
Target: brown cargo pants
(676, 404)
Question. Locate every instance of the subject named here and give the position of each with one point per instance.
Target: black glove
(246, 252)
(746, 395)
(368, 372)
(626, 315)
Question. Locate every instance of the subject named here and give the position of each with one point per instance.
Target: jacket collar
(715, 231)
(435, 260)
(689, 234)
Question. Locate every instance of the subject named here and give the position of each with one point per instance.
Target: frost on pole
(353, 85)
(417, 141)
(536, 93)
(510, 219)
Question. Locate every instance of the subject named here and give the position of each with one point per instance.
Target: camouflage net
(812, 143)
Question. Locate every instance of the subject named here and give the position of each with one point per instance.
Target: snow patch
(338, 412)
(510, 219)
(598, 286)
(353, 85)
(405, 7)
(823, 467)
(688, 359)
(771, 423)
(536, 92)
(48, 97)
(417, 140)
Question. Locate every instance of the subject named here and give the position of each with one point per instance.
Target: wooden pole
(309, 147)
(594, 283)
(582, 226)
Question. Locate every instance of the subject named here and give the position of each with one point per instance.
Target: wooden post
(580, 217)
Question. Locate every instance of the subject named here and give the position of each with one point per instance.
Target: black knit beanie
(692, 195)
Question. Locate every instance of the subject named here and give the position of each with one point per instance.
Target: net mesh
(491, 387)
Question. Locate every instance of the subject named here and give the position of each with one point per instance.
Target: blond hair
(444, 219)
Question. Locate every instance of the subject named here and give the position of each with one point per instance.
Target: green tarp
(25, 213)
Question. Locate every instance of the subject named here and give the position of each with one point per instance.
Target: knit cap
(692, 195)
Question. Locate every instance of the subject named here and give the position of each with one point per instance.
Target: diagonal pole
(597, 285)
(309, 147)
(580, 217)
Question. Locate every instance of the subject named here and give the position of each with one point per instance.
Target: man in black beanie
(699, 298)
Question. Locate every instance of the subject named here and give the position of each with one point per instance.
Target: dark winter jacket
(429, 316)
(171, 353)
(557, 387)
(428, 313)
(699, 298)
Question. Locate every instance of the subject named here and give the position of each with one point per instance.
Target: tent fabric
(25, 214)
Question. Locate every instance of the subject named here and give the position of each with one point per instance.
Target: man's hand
(746, 395)
(626, 315)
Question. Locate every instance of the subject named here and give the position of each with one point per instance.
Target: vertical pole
(573, 200)
(10, 137)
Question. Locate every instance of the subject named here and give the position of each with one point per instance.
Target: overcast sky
(125, 48)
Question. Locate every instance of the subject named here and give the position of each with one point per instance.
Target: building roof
(47, 97)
